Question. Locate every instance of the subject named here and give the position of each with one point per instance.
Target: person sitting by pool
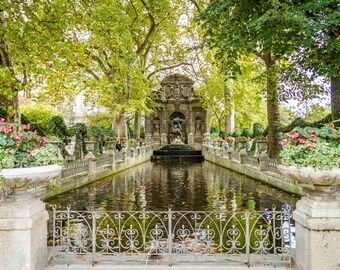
(118, 145)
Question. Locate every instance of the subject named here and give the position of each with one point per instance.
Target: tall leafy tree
(221, 95)
(268, 29)
(120, 46)
(319, 51)
(110, 50)
(31, 32)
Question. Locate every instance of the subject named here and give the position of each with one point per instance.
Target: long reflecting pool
(183, 185)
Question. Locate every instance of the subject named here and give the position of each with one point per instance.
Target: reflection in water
(184, 185)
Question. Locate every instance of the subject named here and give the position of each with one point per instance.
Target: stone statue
(176, 125)
(162, 95)
(156, 127)
(198, 127)
(177, 93)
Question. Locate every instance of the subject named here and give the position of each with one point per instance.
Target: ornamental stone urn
(90, 145)
(317, 218)
(23, 219)
(110, 145)
(18, 179)
(242, 144)
(322, 180)
(262, 145)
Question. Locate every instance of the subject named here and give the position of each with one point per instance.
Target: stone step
(178, 157)
(177, 151)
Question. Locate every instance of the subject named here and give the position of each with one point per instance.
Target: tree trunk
(11, 105)
(16, 116)
(230, 123)
(335, 98)
(136, 125)
(230, 117)
(117, 127)
(126, 129)
(273, 113)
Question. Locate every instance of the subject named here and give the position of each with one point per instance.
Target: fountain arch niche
(176, 98)
(175, 133)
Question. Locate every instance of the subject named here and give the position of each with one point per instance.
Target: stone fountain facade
(176, 99)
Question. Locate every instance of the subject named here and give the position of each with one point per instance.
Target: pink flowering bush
(319, 148)
(20, 147)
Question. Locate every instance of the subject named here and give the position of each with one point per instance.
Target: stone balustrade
(255, 165)
(81, 172)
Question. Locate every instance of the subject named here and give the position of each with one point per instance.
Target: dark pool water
(184, 185)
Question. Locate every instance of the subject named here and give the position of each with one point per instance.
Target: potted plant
(25, 157)
(312, 156)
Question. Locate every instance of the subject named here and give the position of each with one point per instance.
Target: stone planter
(90, 145)
(242, 144)
(262, 145)
(322, 180)
(110, 145)
(19, 178)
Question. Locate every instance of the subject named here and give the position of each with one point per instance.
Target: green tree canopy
(272, 30)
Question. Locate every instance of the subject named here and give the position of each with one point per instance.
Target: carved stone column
(164, 127)
(205, 127)
(190, 127)
(148, 130)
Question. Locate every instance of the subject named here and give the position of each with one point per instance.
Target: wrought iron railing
(171, 236)
(74, 168)
(102, 160)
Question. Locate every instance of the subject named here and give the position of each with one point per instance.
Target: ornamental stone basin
(19, 178)
(309, 175)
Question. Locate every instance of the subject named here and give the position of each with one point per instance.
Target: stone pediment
(176, 87)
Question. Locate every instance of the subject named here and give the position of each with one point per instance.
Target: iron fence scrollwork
(171, 235)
